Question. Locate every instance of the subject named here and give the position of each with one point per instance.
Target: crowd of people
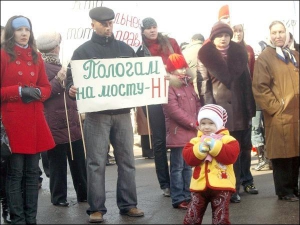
(222, 102)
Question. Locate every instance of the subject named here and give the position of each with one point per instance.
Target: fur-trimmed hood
(212, 59)
(177, 82)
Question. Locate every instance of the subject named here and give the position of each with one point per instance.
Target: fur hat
(223, 12)
(175, 61)
(47, 41)
(215, 113)
(148, 22)
(102, 14)
(220, 27)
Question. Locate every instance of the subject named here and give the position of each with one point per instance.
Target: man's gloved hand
(30, 94)
(203, 147)
(210, 142)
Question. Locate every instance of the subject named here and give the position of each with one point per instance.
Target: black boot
(262, 160)
(5, 211)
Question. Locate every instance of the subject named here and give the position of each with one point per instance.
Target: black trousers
(3, 176)
(242, 165)
(57, 158)
(158, 127)
(285, 175)
(45, 163)
(145, 143)
(22, 187)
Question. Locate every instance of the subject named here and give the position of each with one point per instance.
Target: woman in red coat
(24, 88)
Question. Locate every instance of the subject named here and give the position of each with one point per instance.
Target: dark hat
(198, 37)
(148, 22)
(220, 27)
(102, 14)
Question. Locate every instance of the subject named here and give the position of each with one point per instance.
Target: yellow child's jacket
(217, 174)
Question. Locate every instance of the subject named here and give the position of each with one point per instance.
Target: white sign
(104, 84)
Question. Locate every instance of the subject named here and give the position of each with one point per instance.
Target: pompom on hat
(175, 61)
(223, 12)
(215, 113)
(220, 27)
(47, 41)
(148, 23)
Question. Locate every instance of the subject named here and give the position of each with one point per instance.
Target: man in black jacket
(106, 126)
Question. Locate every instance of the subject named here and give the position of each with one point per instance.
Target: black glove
(30, 94)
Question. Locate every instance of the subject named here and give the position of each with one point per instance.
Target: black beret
(102, 14)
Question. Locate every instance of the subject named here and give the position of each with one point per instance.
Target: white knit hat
(215, 113)
(47, 41)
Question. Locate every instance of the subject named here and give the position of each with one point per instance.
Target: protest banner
(79, 30)
(104, 84)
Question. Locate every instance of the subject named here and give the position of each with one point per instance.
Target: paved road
(263, 208)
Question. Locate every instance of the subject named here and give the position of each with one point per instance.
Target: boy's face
(207, 126)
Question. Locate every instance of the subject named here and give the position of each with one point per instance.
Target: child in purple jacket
(181, 118)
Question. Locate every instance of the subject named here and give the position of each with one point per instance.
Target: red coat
(25, 124)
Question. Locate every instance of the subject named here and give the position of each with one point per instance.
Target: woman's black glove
(30, 94)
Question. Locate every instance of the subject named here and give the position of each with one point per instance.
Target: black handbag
(5, 148)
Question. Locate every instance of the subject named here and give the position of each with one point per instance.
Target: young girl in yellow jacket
(212, 154)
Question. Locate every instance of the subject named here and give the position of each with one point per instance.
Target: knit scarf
(51, 58)
(284, 53)
(153, 47)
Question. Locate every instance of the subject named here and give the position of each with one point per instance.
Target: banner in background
(79, 30)
(104, 84)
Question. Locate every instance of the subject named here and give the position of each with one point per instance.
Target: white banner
(78, 29)
(104, 84)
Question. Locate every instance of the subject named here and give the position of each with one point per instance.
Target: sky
(179, 19)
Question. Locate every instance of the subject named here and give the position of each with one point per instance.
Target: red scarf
(156, 49)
